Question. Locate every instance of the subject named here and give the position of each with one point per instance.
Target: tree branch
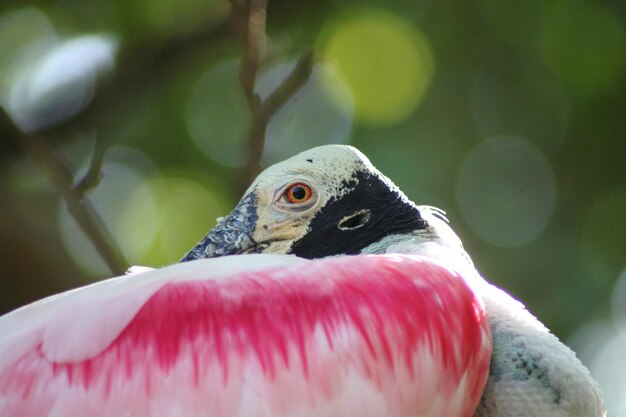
(91, 179)
(298, 77)
(141, 65)
(249, 18)
(78, 205)
(252, 13)
(137, 63)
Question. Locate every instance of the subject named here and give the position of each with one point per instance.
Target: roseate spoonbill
(260, 335)
(332, 201)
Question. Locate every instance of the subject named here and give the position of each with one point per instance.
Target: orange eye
(298, 193)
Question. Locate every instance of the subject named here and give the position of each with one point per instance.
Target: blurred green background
(508, 115)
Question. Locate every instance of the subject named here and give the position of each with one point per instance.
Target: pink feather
(256, 336)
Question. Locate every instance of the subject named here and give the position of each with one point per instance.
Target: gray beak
(232, 235)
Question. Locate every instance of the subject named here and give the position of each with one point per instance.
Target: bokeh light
(319, 113)
(24, 35)
(512, 21)
(61, 82)
(601, 345)
(217, 115)
(178, 17)
(186, 209)
(385, 61)
(506, 191)
(583, 42)
(618, 305)
(124, 174)
(580, 40)
(44, 78)
(218, 118)
(517, 95)
(432, 154)
(603, 236)
(155, 218)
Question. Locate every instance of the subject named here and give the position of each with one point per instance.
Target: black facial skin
(385, 211)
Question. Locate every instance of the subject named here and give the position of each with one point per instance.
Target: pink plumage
(258, 335)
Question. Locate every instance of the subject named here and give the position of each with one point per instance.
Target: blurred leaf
(584, 42)
(386, 63)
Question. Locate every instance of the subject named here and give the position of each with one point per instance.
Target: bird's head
(326, 201)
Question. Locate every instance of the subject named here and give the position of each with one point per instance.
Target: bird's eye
(298, 193)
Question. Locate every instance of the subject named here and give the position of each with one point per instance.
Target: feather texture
(259, 335)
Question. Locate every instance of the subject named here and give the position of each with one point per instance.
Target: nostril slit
(354, 221)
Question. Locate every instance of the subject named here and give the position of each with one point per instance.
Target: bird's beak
(232, 235)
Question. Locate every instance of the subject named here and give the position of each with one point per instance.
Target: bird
(262, 333)
(331, 201)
